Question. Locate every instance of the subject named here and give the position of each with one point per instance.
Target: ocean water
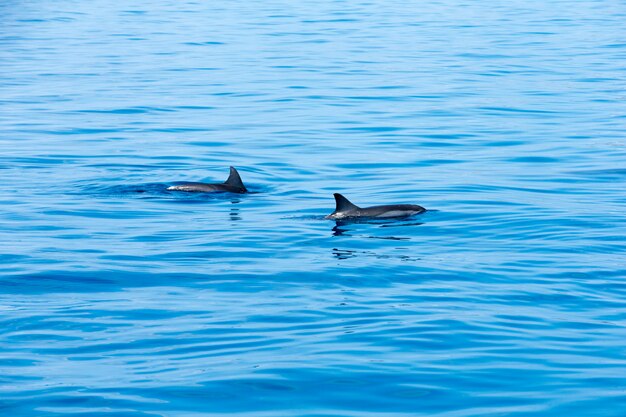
(505, 119)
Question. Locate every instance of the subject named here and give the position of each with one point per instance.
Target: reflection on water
(342, 228)
(343, 254)
(338, 231)
(401, 225)
(350, 229)
(234, 211)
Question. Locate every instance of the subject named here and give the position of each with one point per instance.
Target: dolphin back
(345, 209)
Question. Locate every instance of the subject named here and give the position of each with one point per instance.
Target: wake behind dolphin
(345, 210)
(232, 185)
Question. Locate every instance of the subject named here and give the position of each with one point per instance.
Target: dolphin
(232, 185)
(345, 210)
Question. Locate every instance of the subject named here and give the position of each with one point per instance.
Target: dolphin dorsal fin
(343, 204)
(234, 180)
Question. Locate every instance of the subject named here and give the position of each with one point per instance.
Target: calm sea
(507, 120)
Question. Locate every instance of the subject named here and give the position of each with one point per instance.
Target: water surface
(120, 298)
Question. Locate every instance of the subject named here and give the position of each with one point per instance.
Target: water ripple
(121, 298)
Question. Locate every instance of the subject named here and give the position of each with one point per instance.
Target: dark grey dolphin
(232, 185)
(345, 209)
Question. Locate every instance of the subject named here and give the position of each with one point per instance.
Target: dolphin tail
(234, 180)
(343, 204)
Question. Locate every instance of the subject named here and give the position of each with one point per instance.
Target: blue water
(507, 120)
